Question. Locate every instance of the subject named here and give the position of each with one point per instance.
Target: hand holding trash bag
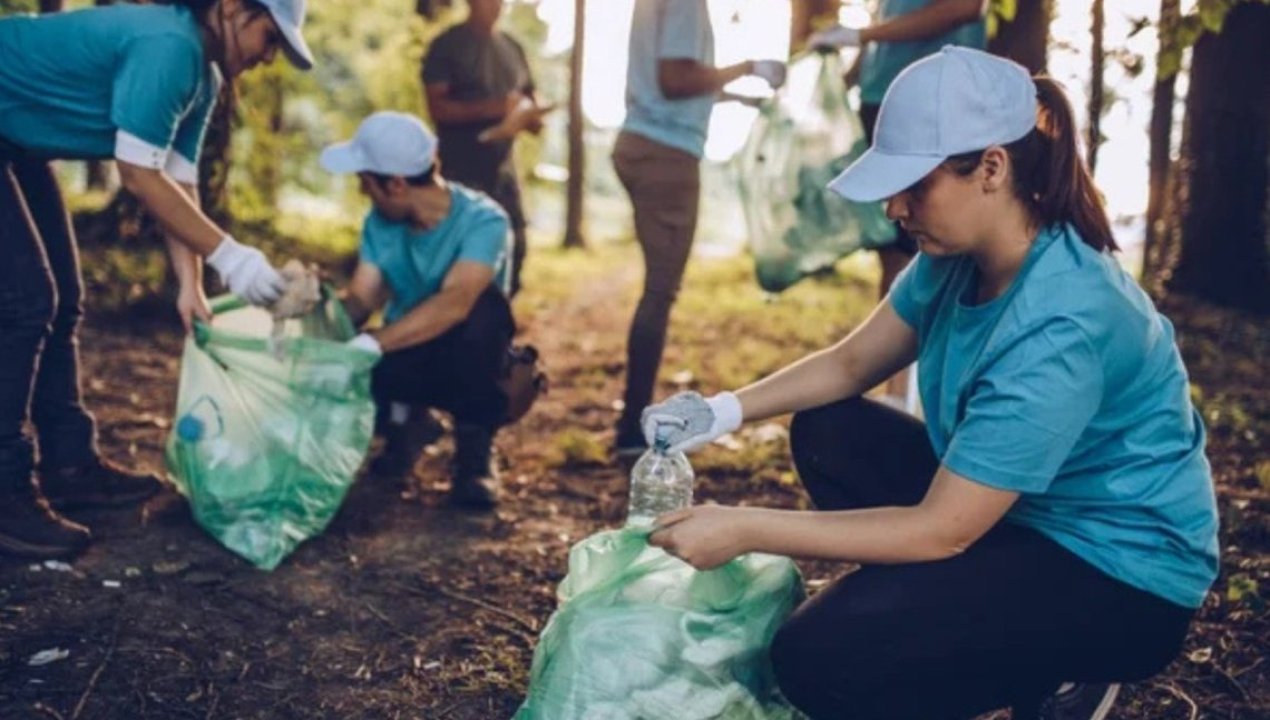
(689, 421)
(834, 38)
(773, 71)
(704, 536)
(366, 343)
(246, 272)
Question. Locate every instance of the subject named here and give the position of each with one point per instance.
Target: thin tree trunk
(1225, 170)
(577, 152)
(1025, 39)
(1161, 135)
(1097, 61)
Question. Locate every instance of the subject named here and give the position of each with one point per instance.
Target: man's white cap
(289, 16)
(386, 143)
(955, 101)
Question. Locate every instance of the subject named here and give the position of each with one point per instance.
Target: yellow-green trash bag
(268, 436)
(641, 635)
(802, 139)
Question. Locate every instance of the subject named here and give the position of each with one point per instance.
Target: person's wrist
(224, 254)
(727, 411)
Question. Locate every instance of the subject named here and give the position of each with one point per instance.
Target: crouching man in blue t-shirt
(434, 255)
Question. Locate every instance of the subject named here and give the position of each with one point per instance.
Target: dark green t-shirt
(476, 67)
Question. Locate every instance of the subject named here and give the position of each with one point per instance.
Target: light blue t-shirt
(884, 60)
(1069, 389)
(415, 262)
(668, 30)
(70, 80)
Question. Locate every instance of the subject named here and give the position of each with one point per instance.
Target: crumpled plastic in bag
(265, 447)
(641, 635)
(801, 141)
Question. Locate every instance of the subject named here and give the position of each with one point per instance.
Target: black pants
(40, 311)
(1002, 624)
(457, 371)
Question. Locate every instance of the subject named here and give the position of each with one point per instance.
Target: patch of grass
(576, 448)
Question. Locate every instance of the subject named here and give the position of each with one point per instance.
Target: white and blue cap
(289, 16)
(386, 143)
(956, 101)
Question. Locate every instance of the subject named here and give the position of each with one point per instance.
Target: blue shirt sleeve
(679, 31)
(190, 134)
(369, 250)
(155, 86)
(1026, 411)
(485, 240)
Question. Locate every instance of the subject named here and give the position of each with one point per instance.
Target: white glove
(366, 343)
(247, 272)
(773, 71)
(688, 421)
(835, 37)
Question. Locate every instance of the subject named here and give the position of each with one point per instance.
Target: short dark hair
(427, 177)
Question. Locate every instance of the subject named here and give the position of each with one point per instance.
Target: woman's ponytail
(1059, 182)
(1050, 176)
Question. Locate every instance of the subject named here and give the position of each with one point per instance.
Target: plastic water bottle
(661, 482)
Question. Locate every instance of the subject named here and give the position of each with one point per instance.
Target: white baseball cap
(955, 101)
(387, 143)
(289, 16)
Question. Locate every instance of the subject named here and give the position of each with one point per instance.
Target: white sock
(398, 413)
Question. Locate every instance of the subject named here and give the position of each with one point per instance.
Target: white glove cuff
(727, 412)
(225, 255)
(366, 342)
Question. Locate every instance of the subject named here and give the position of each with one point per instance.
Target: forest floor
(406, 608)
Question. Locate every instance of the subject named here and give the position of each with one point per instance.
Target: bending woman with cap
(135, 83)
(1051, 529)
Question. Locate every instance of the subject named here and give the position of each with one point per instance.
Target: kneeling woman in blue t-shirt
(136, 84)
(1051, 529)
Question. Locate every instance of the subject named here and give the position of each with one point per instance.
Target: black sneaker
(404, 443)
(99, 483)
(1080, 701)
(474, 482)
(29, 528)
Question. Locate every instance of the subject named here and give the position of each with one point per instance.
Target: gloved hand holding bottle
(688, 421)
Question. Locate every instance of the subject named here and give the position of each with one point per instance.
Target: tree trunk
(51, 6)
(1025, 39)
(1160, 135)
(1097, 61)
(577, 152)
(1224, 167)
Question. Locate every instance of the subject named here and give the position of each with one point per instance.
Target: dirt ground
(405, 608)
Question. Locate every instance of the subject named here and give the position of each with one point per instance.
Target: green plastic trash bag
(641, 635)
(800, 141)
(269, 435)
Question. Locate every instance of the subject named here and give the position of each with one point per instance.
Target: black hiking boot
(475, 479)
(29, 528)
(1080, 701)
(98, 483)
(404, 443)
